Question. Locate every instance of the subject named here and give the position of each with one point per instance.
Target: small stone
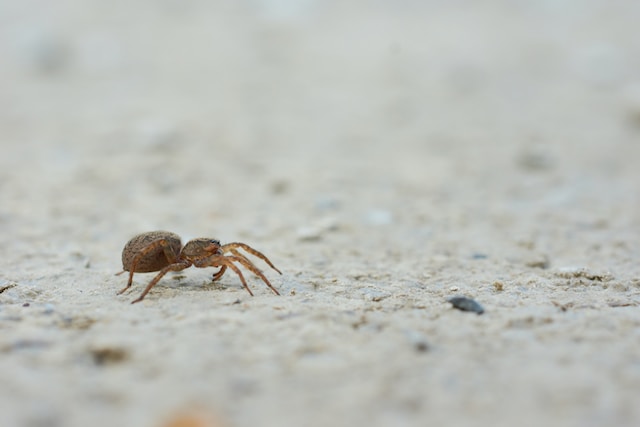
(466, 304)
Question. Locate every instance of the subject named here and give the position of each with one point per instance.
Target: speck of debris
(498, 286)
(479, 256)
(103, 356)
(466, 304)
(421, 346)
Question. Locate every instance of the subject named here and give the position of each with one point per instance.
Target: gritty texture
(386, 156)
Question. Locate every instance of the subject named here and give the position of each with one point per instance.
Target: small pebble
(466, 304)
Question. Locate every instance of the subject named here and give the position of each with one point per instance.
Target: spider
(162, 251)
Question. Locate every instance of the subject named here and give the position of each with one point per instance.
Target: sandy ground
(385, 155)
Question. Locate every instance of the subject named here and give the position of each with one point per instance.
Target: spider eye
(215, 242)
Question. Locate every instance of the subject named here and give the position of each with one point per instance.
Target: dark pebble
(466, 304)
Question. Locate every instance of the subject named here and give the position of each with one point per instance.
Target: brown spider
(162, 251)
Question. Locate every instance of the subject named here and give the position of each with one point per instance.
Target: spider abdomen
(154, 260)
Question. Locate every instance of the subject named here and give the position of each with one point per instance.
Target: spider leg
(218, 274)
(123, 290)
(227, 263)
(232, 247)
(249, 266)
(247, 263)
(235, 252)
(171, 267)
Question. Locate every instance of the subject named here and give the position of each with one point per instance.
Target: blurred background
(169, 97)
(181, 111)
